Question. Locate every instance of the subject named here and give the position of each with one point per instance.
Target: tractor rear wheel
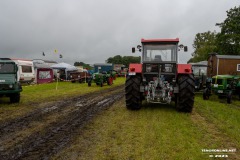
(206, 94)
(110, 81)
(185, 97)
(229, 97)
(132, 92)
(89, 83)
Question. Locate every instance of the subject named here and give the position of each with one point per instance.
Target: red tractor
(159, 78)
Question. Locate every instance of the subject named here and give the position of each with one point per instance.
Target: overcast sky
(91, 31)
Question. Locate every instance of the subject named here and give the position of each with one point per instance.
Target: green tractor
(9, 84)
(101, 77)
(225, 86)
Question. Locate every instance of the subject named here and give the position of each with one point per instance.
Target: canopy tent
(65, 67)
(43, 73)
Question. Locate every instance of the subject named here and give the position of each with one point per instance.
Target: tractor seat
(157, 58)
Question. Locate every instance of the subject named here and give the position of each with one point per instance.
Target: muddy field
(46, 131)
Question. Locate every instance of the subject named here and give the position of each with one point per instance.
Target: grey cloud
(91, 30)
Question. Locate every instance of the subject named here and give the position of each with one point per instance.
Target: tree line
(118, 59)
(84, 65)
(125, 60)
(226, 42)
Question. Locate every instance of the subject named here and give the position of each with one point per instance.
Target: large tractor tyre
(15, 98)
(185, 97)
(132, 93)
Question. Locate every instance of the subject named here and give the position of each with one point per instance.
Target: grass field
(160, 132)
(154, 132)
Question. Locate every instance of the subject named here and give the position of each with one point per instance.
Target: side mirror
(133, 50)
(185, 48)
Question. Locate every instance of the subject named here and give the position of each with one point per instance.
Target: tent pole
(58, 75)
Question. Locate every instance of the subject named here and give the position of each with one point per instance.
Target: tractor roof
(176, 40)
(6, 60)
(223, 76)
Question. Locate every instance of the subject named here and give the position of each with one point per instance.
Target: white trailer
(26, 71)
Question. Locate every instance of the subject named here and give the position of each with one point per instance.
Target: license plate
(132, 73)
(220, 91)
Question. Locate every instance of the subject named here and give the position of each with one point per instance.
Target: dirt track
(44, 132)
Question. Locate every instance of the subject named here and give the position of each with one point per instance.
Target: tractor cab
(159, 58)
(200, 74)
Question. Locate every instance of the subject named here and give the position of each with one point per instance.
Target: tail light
(132, 69)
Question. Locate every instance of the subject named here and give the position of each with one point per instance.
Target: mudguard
(184, 69)
(134, 69)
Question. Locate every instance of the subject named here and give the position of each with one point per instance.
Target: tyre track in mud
(71, 115)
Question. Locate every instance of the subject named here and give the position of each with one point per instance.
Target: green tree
(84, 65)
(204, 43)
(228, 40)
(125, 60)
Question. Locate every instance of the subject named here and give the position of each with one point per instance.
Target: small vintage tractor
(226, 86)
(159, 78)
(9, 84)
(101, 77)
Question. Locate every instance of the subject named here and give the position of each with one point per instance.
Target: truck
(79, 76)
(159, 78)
(101, 67)
(9, 84)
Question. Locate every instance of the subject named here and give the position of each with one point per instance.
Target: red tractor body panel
(135, 68)
(184, 69)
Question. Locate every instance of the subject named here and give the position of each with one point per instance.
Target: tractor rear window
(27, 69)
(6, 67)
(160, 53)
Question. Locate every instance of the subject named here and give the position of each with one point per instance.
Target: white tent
(64, 66)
